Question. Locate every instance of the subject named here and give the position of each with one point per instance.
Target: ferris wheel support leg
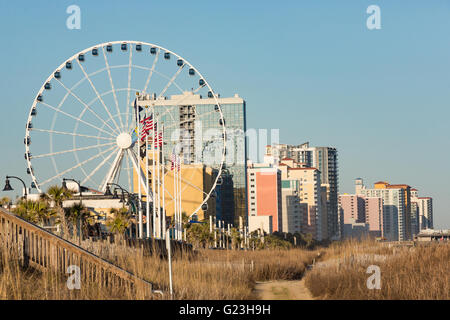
(113, 170)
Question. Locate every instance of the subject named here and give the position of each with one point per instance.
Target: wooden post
(20, 247)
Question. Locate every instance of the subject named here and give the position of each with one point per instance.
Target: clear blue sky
(310, 68)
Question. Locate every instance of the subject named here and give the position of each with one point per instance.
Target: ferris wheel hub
(124, 140)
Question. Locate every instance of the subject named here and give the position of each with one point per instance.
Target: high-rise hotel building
(264, 194)
(396, 222)
(423, 212)
(311, 210)
(324, 159)
(359, 209)
(202, 140)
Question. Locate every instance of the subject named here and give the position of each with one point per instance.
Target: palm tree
(24, 209)
(57, 195)
(79, 216)
(37, 212)
(198, 234)
(43, 211)
(235, 238)
(120, 222)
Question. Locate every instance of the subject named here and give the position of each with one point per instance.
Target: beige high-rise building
(309, 192)
(424, 213)
(394, 226)
(295, 213)
(324, 159)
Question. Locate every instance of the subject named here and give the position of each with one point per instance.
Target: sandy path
(282, 290)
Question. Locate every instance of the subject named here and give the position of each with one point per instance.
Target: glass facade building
(193, 129)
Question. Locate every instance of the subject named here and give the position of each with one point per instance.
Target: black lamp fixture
(8, 185)
(115, 195)
(108, 191)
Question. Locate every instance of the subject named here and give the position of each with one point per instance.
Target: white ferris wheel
(82, 123)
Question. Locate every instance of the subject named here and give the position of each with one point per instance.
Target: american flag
(144, 135)
(172, 160)
(158, 140)
(147, 124)
(175, 161)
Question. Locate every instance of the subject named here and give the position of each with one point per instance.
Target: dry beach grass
(419, 272)
(210, 274)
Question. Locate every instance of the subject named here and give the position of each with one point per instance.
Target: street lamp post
(9, 188)
(108, 190)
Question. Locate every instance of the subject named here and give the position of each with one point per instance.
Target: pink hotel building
(264, 194)
(359, 209)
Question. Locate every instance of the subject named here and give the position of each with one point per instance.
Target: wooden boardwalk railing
(43, 250)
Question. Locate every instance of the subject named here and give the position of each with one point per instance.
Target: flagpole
(153, 171)
(175, 194)
(179, 199)
(147, 207)
(163, 222)
(139, 167)
(158, 181)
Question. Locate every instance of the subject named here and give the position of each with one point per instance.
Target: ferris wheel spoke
(75, 118)
(155, 61)
(76, 166)
(112, 86)
(130, 60)
(72, 150)
(198, 89)
(72, 134)
(171, 81)
(98, 96)
(106, 93)
(158, 73)
(132, 123)
(102, 163)
(73, 88)
(85, 105)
